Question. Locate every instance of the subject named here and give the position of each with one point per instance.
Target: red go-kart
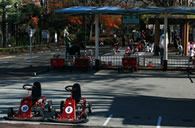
(75, 109)
(31, 107)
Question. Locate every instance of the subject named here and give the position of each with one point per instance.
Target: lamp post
(30, 33)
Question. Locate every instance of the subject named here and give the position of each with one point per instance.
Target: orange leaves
(35, 20)
(110, 21)
(75, 19)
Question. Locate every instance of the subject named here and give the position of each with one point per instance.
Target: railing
(142, 61)
(152, 61)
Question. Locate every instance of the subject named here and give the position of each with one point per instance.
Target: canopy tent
(78, 10)
(88, 10)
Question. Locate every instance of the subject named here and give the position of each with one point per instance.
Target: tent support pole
(165, 56)
(97, 42)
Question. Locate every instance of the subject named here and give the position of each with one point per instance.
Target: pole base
(97, 64)
(165, 65)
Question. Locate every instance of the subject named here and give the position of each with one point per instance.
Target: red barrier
(57, 62)
(82, 63)
(129, 63)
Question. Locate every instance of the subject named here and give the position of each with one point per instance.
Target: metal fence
(142, 61)
(156, 61)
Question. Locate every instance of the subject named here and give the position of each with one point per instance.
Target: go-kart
(75, 109)
(31, 107)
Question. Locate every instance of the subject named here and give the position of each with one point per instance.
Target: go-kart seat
(76, 92)
(36, 91)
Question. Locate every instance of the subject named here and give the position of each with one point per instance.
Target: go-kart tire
(49, 106)
(61, 106)
(89, 107)
(10, 112)
(41, 112)
(54, 114)
(85, 116)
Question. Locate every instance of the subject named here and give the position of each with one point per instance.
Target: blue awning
(87, 10)
(181, 10)
(148, 10)
(76, 10)
(109, 10)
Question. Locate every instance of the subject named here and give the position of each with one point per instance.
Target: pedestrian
(161, 46)
(67, 41)
(131, 43)
(127, 51)
(140, 47)
(180, 49)
(191, 54)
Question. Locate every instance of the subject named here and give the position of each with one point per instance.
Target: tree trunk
(16, 34)
(157, 38)
(3, 27)
(91, 27)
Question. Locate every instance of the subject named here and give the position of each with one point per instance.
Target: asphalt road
(140, 99)
(143, 99)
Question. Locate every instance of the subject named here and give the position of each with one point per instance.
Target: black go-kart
(75, 109)
(32, 107)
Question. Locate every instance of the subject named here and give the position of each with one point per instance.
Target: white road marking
(159, 121)
(27, 58)
(7, 57)
(19, 122)
(108, 119)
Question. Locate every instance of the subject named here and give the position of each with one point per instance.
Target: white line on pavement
(108, 119)
(19, 122)
(32, 57)
(159, 121)
(7, 57)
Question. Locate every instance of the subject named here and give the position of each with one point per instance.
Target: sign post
(31, 33)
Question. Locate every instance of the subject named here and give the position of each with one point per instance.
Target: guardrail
(142, 61)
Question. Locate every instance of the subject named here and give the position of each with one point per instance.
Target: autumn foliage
(110, 22)
(75, 19)
(35, 20)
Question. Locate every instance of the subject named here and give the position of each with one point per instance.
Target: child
(127, 51)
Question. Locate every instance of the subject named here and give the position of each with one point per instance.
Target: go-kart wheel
(89, 107)
(53, 114)
(10, 112)
(85, 116)
(41, 112)
(49, 106)
(61, 106)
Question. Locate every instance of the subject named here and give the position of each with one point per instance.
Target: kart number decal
(68, 109)
(24, 108)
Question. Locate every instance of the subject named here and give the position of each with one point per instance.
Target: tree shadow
(145, 110)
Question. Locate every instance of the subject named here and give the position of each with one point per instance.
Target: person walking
(67, 42)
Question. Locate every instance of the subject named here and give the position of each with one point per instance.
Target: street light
(31, 33)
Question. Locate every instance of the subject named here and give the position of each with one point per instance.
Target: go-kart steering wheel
(68, 88)
(27, 86)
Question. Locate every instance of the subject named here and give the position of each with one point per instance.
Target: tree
(4, 9)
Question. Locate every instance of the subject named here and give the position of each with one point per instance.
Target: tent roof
(76, 10)
(181, 10)
(89, 10)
